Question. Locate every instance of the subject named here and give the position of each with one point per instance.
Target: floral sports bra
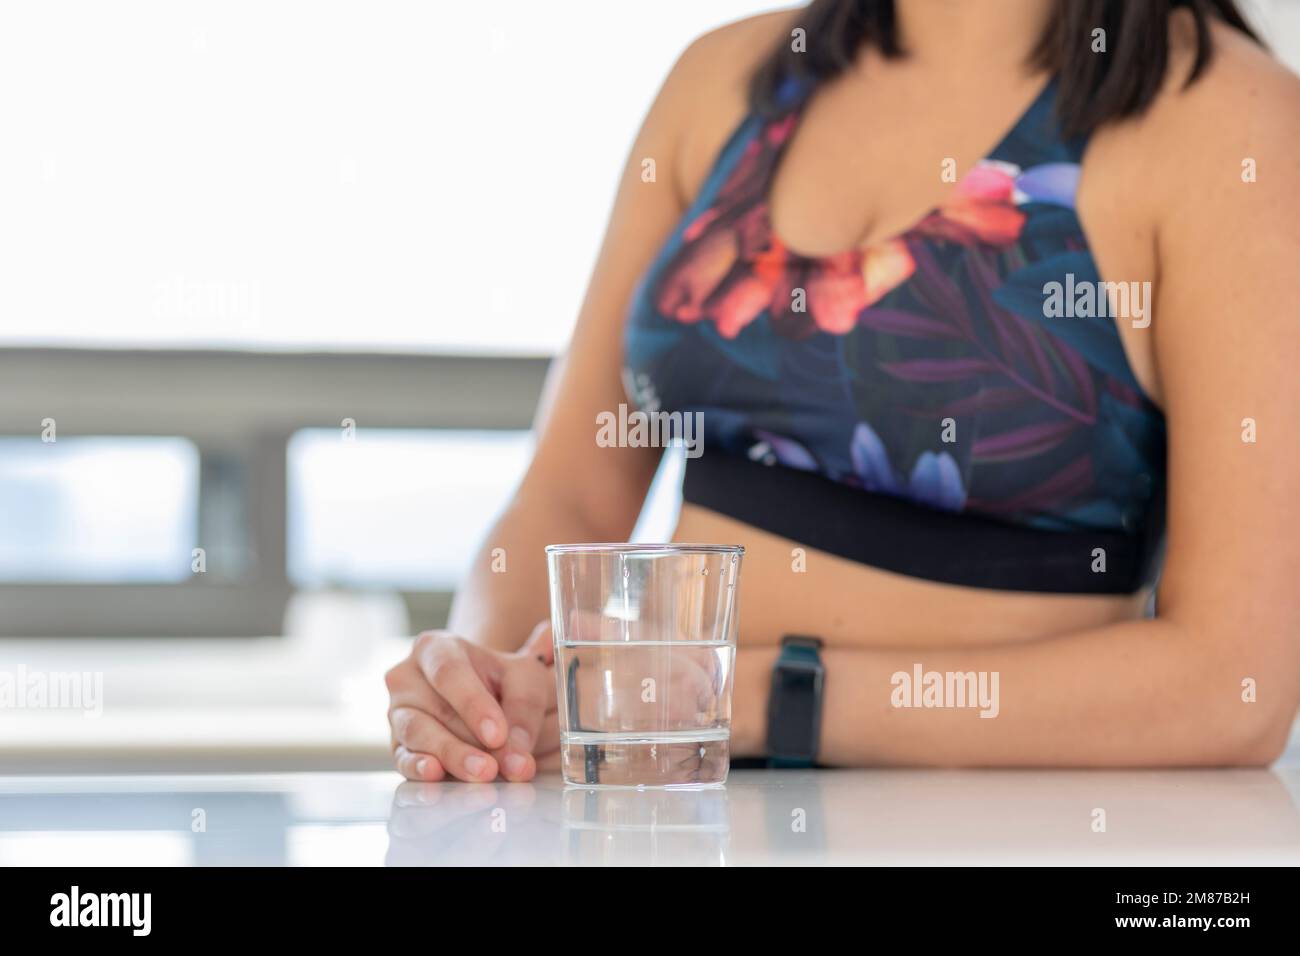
(953, 403)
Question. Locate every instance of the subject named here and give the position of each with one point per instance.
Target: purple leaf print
(1008, 342)
(1124, 392)
(1071, 481)
(984, 277)
(898, 322)
(938, 370)
(1023, 442)
(986, 399)
(1079, 373)
(937, 290)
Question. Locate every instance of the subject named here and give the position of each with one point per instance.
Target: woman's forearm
(505, 594)
(1142, 693)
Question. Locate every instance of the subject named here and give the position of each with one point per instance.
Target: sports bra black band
(899, 536)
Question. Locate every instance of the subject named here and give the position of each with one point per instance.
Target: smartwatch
(794, 707)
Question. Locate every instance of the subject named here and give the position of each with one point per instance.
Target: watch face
(793, 728)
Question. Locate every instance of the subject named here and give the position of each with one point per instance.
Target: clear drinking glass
(645, 639)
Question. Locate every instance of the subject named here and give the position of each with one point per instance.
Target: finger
(548, 740)
(426, 699)
(692, 679)
(419, 732)
(548, 683)
(547, 746)
(432, 703)
(517, 766)
(452, 674)
(408, 687)
(524, 698)
(417, 766)
(411, 728)
(539, 644)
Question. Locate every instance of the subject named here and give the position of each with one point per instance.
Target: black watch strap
(794, 705)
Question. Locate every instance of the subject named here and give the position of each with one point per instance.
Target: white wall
(1279, 23)
(348, 174)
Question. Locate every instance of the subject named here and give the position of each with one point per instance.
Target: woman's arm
(1174, 690)
(575, 490)
(473, 701)
(1145, 693)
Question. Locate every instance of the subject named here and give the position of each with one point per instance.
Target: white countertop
(760, 817)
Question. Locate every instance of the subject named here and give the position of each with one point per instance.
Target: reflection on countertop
(759, 817)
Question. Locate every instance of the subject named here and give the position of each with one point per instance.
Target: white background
(393, 175)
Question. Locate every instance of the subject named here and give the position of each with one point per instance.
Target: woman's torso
(843, 180)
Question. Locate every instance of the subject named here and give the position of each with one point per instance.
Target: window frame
(239, 408)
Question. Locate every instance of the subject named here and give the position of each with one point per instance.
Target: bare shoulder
(724, 57)
(1242, 114)
(707, 90)
(1227, 222)
(1239, 68)
(744, 34)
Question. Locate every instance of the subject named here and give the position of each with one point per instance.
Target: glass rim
(609, 547)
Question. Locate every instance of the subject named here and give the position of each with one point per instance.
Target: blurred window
(119, 509)
(396, 508)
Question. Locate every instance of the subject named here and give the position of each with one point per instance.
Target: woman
(871, 254)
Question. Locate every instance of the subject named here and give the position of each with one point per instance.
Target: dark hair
(1093, 89)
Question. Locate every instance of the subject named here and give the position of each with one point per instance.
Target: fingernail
(521, 738)
(488, 730)
(515, 764)
(421, 766)
(475, 765)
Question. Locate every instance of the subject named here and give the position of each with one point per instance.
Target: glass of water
(645, 638)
